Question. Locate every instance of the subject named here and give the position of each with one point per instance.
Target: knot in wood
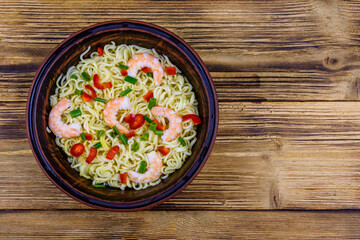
(332, 63)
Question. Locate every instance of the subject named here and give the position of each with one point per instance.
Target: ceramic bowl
(53, 160)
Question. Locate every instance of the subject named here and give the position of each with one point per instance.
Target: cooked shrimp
(175, 126)
(57, 126)
(111, 109)
(153, 171)
(140, 60)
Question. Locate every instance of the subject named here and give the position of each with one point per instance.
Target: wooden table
(286, 162)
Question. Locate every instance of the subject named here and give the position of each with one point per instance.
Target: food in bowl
(125, 116)
(53, 160)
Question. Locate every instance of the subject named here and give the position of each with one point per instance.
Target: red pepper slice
(77, 149)
(98, 85)
(137, 122)
(123, 72)
(159, 126)
(100, 51)
(112, 152)
(93, 92)
(86, 97)
(92, 155)
(107, 85)
(148, 96)
(195, 118)
(146, 69)
(130, 134)
(170, 70)
(164, 150)
(88, 136)
(129, 118)
(123, 177)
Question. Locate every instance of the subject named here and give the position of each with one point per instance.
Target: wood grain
(179, 225)
(287, 74)
(297, 52)
(284, 155)
(18, 191)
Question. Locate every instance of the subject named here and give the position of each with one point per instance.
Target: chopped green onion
(86, 76)
(135, 147)
(149, 74)
(182, 141)
(158, 132)
(82, 135)
(146, 117)
(79, 92)
(116, 131)
(142, 167)
(74, 77)
(123, 138)
(100, 100)
(99, 185)
(100, 133)
(123, 66)
(152, 103)
(112, 134)
(153, 126)
(144, 137)
(126, 91)
(75, 113)
(130, 79)
(97, 145)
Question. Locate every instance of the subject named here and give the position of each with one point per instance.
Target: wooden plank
(12, 120)
(242, 23)
(179, 225)
(316, 164)
(24, 186)
(278, 51)
(271, 155)
(252, 85)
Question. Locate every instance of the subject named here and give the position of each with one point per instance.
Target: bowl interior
(53, 159)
